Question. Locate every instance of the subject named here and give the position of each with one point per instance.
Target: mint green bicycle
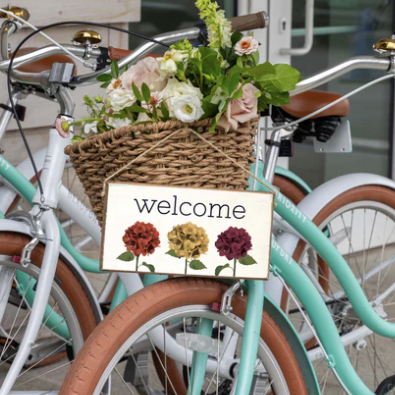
(206, 338)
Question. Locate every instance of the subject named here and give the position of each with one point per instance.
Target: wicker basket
(182, 160)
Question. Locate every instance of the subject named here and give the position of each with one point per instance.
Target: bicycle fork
(51, 181)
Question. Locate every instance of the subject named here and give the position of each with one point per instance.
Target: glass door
(346, 28)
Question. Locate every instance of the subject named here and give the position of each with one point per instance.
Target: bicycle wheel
(178, 305)
(69, 319)
(361, 222)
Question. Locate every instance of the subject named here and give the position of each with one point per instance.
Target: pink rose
(144, 71)
(240, 110)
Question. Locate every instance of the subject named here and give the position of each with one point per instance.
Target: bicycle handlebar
(360, 62)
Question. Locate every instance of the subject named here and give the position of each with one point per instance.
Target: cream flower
(144, 71)
(156, 100)
(118, 122)
(187, 108)
(240, 110)
(168, 64)
(119, 99)
(114, 84)
(175, 88)
(90, 127)
(246, 46)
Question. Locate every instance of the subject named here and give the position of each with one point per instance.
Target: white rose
(168, 67)
(175, 89)
(118, 122)
(119, 99)
(90, 127)
(187, 108)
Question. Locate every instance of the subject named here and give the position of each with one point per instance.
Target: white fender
(313, 203)
(7, 225)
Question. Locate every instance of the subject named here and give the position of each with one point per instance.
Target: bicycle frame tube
(27, 190)
(293, 274)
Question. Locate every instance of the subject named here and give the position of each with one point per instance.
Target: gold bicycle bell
(17, 11)
(86, 36)
(385, 46)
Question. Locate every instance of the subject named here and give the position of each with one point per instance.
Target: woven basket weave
(182, 160)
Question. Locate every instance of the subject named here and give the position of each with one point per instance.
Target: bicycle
(207, 344)
(63, 306)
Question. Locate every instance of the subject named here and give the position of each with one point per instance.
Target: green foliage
(247, 260)
(126, 256)
(150, 267)
(219, 269)
(197, 265)
(172, 253)
(114, 69)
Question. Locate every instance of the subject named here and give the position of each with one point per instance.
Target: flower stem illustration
(234, 244)
(140, 239)
(188, 241)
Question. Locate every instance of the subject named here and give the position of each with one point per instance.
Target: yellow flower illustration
(188, 240)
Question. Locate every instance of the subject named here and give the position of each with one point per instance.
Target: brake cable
(9, 84)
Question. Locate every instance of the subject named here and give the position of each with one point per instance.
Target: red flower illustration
(141, 239)
(233, 243)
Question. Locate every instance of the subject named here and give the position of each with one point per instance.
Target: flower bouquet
(216, 91)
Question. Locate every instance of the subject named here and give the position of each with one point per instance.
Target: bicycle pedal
(136, 371)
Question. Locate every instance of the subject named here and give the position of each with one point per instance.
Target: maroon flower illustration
(234, 244)
(140, 239)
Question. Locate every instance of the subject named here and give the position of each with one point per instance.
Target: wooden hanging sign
(187, 231)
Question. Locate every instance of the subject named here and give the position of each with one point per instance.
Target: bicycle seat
(43, 64)
(308, 102)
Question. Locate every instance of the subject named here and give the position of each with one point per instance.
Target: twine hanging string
(167, 138)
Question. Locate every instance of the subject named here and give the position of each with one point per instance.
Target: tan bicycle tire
(146, 304)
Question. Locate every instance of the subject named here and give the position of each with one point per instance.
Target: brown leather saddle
(321, 126)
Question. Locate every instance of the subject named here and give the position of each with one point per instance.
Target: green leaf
(135, 109)
(210, 109)
(105, 85)
(172, 253)
(114, 69)
(126, 256)
(165, 111)
(154, 114)
(255, 57)
(209, 63)
(196, 265)
(283, 79)
(145, 90)
(247, 260)
(136, 92)
(236, 36)
(76, 139)
(151, 268)
(238, 94)
(230, 83)
(261, 71)
(104, 77)
(279, 99)
(287, 76)
(219, 269)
